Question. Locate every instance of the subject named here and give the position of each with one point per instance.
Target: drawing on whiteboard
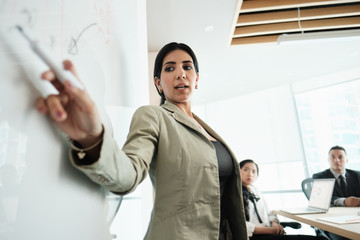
(30, 17)
(73, 46)
(103, 14)
(31, 150)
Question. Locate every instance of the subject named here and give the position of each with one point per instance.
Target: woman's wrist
(87, 150)
(91, 139)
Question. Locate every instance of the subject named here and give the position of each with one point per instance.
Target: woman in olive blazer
(174, 146)
(183, 170)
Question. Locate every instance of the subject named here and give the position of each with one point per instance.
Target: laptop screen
(321, 193)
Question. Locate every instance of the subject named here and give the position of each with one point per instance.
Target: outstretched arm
(73, 112)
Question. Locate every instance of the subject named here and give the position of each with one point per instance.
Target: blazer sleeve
(122, 170)
(353, 182)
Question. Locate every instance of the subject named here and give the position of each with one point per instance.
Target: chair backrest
(306, 186)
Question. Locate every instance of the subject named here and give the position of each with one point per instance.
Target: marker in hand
(59, 71)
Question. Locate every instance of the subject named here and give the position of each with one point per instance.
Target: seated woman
(260, 222)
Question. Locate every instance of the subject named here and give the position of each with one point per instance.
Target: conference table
(349, 230)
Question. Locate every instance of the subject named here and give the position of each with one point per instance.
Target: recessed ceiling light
(209, 28)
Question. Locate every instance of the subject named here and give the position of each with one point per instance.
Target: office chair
(294, 225)
(306, 186)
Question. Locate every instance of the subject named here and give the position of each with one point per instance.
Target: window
(289, 134)
(334, 114)
(263, 126)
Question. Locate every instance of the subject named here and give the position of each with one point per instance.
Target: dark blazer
(352, 179)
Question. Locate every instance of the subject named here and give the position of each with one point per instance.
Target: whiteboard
(41, 195)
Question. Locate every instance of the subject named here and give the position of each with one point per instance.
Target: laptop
(320, 198)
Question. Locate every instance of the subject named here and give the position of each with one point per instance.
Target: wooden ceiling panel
(270, 5)
(265, 20)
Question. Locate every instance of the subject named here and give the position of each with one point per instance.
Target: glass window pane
(283, 176)
(330, 116)
(262, 126)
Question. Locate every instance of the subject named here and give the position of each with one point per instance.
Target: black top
(225, 164)
(226, 169)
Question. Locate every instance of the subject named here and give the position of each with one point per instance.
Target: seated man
(346, 189)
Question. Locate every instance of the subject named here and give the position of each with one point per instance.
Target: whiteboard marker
(60, 73)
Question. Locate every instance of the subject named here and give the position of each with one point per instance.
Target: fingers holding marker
(41, 105)
(68, 65)
(77, 94)
(72, 95)
(55, 105)
(69, 74)
(70, 85)
(58, 76)
(50, 76)
(51, 106)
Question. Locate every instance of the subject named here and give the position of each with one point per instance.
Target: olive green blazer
(183, 168)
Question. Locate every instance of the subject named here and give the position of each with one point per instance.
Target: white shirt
(266, 216)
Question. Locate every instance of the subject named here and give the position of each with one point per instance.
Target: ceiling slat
(261, 21)
(266, 29)
(258, 39)
(268, 5)
(349, 22)
(288, 27)
(292, 15)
